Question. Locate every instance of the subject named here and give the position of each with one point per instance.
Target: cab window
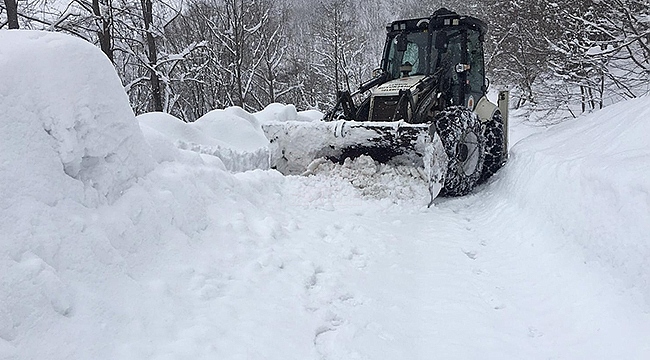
(415, 54)
(476, 72)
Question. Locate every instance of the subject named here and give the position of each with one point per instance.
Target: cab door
(475, 75)
(448, 51)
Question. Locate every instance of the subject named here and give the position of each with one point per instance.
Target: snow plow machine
(425, 107)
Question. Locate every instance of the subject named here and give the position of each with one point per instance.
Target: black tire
(461, 133)
(495, 147)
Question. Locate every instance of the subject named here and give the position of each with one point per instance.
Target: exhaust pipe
(503, 104)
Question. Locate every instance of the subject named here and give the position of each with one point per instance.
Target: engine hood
(393, 87)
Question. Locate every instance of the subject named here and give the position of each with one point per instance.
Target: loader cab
(445, 47)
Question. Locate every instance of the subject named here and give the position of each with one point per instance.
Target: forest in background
(559, 58)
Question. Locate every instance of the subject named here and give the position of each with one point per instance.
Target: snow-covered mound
(65, 113)
(90, 223)
(232, 135)
(234, 126)
(590, 179)
(280, 112)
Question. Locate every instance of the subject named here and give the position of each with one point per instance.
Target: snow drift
(77, 124)
(590, 179)
(233, 136)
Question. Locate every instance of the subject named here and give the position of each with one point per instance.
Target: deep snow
(152, 242)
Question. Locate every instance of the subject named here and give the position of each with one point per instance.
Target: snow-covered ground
(120, 241)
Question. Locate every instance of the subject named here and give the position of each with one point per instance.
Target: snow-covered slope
(590, 179)
(127, 242)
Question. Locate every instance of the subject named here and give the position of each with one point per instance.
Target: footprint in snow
(491, 298)
(534, 333)
(470, 254)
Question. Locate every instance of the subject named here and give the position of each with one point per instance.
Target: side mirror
(441, 41)
(401, 43)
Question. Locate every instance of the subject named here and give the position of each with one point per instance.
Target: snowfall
(151, 238)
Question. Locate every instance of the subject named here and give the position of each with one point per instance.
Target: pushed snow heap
(231, 137)
(80, 123)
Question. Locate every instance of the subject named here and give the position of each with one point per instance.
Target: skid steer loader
(425, 107)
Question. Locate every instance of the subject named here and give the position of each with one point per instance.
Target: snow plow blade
(295, 145)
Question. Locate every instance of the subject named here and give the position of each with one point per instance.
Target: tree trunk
(270, 80)
(147, 15)
(238, 28)
(12, 13)
(104, 34)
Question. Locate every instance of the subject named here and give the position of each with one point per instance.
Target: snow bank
(101, 249)
(590, 179)
(65, 117)
(280, 112)
(232, 135)
(69, 145)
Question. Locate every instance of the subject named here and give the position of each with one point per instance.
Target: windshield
(415, 54)
(417, 46)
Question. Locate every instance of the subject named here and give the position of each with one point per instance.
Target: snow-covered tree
(206, 54)
(519, 39)
(271, 84)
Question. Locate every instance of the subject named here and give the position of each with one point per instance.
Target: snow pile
(374, 180)
(159, 137)
(590, 179)
(234, 126)
(280, 112)
(137, 274)
(79, 121)
(232, 135)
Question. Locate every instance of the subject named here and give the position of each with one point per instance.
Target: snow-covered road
(307, 268)
(468, 279)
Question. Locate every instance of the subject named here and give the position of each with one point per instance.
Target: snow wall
(589, 179)
(65, 114)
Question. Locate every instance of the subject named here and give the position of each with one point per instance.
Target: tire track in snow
(469, 278)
